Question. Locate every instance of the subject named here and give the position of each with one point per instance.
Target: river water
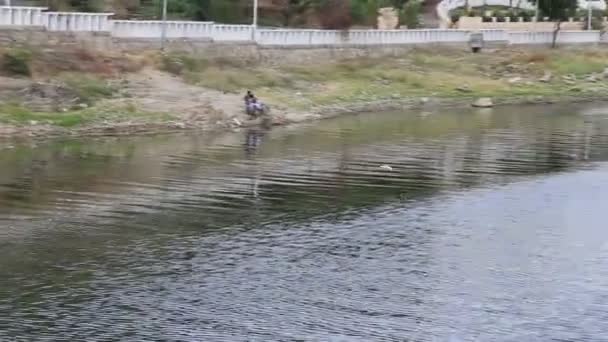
(491, 226)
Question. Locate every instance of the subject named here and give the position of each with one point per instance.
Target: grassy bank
(422, 73)
(75, 89)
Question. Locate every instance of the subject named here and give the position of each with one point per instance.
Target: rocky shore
(117, 95)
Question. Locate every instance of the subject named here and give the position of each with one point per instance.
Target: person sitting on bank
(249, 97)
(255, 104)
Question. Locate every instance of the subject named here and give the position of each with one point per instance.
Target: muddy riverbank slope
(50, 92)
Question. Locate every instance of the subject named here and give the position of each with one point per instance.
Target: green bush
(457, 13)
(474, 13)
(514, 14)
(179, 64)
(499, 13)
(527, 15)
(500, 17)
(410, 14)
(88, 88)
(358, 11)
(15, 113)
(17, 62)
(597, 24)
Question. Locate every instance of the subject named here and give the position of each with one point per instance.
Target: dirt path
(154, 91)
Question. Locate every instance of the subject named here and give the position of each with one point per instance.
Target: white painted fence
(232, 33)
(54, 21)
(302, 38)
(100, 22)
(21, 16)
(579, 37)
(530, 37)
(495, 35)
(563, 37)
(77, 21)
(153, 29)
(357, 37)
(181, 29)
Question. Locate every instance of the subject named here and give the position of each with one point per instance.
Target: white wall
(153, 29)
(577, 37)
(564, 37)
(529, 37)
(495, 35)
(357, 37)
(402, 37)
(232, 33)
(21, 16)
(100, 22)
(77, 22)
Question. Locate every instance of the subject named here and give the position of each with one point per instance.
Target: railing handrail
(25, 7)
(82, 13)
(160, 21)
(101, 22)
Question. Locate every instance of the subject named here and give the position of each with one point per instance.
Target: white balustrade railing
(100, 22)
(530, 37)
(404, 37)
(77, 21)
(153, 29)
(232, 33)
(357, 37)
(495, 35)
(284, 37)
(564, 37)
(21, 16)
(578, 37)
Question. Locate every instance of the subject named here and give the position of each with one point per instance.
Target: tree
(410, 14)
(294, 8)
(335, 15)
(557, 10)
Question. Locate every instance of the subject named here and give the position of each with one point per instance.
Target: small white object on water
(386, 167)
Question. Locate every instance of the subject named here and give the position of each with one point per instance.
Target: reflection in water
(489, 227)
(253, 142)
(252, 145)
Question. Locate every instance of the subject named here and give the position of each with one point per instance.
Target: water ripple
(483, 228)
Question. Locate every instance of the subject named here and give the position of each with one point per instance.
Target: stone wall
(253, 53)
(246, 52)
(39, 37)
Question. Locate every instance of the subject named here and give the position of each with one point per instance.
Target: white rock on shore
(483, 102)
(546, 77)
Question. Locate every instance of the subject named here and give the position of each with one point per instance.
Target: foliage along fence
(444, 7)
(152, 29)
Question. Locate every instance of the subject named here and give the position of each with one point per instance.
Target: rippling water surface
(491, 226)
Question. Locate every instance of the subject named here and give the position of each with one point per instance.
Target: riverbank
(75, 92)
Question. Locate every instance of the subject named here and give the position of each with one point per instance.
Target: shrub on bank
(410, 14)
(179, 64)
(16, 62)
(88, 88)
